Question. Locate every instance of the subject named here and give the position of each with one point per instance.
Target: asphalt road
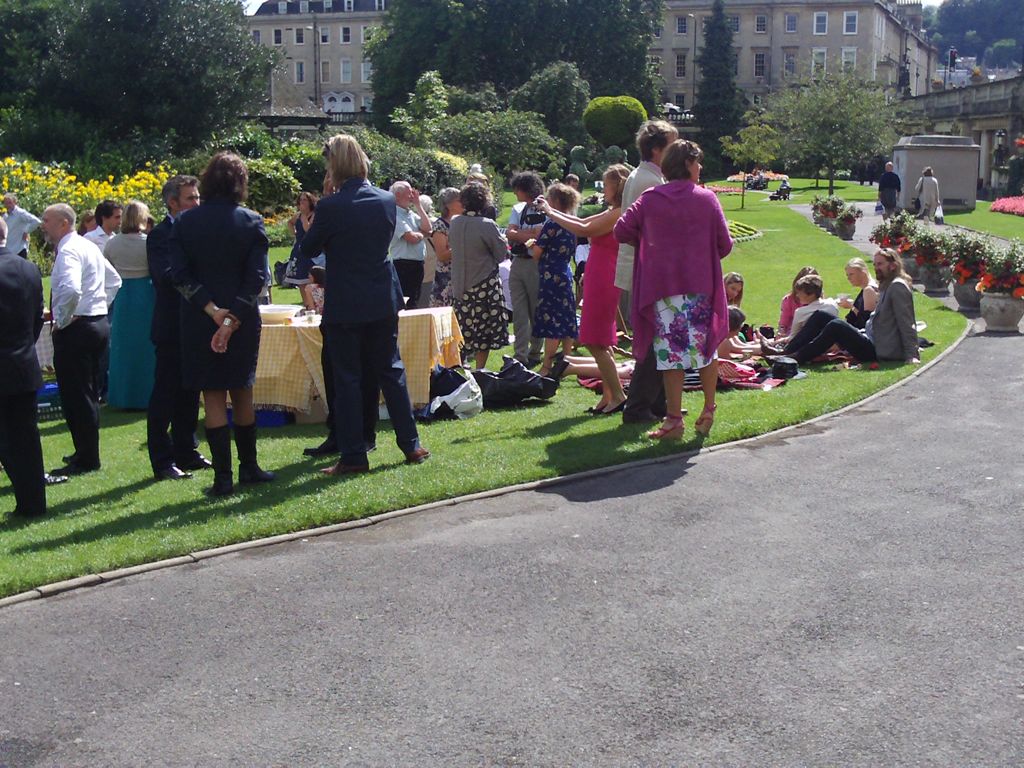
(848, 594)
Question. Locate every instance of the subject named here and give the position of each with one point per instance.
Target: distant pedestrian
(889, 187)
(20, 224)
(927, 191)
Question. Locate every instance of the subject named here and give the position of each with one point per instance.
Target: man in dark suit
(170, 405)
(21, 320)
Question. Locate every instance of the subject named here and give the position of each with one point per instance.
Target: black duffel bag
(513, 384)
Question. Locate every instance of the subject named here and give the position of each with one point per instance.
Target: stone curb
(48, 590)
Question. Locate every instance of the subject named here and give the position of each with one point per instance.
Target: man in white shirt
(646, 399)
(82, 288)
(20, 223)
(108, 223)
(408, 250)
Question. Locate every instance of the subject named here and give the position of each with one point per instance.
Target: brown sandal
(671, 428)
(705, 421)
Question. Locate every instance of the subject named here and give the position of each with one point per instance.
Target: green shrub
(508, 141)
(306, 161)
(483, 98)
(278, 232)
(271, 185)
(391, 160)
(560, 94)
(614, 119)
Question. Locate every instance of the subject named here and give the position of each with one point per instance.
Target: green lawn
(120, 517)
(982, 219)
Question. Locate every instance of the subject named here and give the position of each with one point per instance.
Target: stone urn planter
(911, 267)
(829, 223)
(967, 295)
(844, 230)
(935, 279)
(1001, 312)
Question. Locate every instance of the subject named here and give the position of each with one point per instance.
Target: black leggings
(821, 331)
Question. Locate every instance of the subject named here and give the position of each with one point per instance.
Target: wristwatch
(228, 322)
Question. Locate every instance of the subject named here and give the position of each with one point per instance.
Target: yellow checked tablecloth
(288, 372)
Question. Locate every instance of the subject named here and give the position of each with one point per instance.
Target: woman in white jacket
(927, 191)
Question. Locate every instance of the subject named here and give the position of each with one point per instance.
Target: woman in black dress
(218, 264)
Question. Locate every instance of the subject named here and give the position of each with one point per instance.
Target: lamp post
(693, 64)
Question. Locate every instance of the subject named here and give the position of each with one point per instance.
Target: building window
(368, 103)
(736, 62)
(818, 61)
(367, 71)
(850, 23)
(300, 36)
(282, 7)
(680, 65)
(790, 22)
(657, 33)
(788, 63)
(879, 26)
(346, 71)
(821, 23)
(682, 26)
(325, 35)
(759, 62)
(256, 36)
(734, 24)
(303, 6)
(849, 59)
(346, 35)
(300, 72)
(378, 5)
(277, 37)
(325, 71)
(761, 24)
(328, 5)
(348, 5)
(365, 33)
(680, 100)
(656, 63)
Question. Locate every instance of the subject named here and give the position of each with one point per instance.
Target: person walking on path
(680, 314)
(354, 225)
(889, 186)
(927, 191)
(646, 399)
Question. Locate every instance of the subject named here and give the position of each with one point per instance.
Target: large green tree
(505, 42)
(130, 72)
(972, 26)
(560, 94)
(756, 144)
(718, 108)
(832, 122)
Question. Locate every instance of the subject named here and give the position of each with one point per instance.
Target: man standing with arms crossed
(646, 399)
(170, 406)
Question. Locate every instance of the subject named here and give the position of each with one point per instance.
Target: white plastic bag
(465, 402)
(939, 218)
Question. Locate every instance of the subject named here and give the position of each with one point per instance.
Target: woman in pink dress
(600, 296)
(679, 303)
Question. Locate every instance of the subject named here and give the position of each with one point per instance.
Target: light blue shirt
(19, 224)
(406, 221)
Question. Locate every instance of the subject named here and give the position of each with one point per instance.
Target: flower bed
(1011, 205)
(720, 190)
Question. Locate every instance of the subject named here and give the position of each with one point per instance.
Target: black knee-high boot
(219, 439)
(248, 470)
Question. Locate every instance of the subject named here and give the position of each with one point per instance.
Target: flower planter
(911, 268)
(829, 223)
(935, 279)
(967, 295)
(845, 230)
(1001, 311)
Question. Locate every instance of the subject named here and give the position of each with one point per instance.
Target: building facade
(322, 47)
(776, 41)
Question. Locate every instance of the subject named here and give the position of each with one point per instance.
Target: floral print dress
(555, 317)
(441, 291)
(681, 336)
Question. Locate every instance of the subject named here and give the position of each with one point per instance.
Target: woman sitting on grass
(790, 304)
(555, 317)
(864, 304)
(733, 288)
(734, 346)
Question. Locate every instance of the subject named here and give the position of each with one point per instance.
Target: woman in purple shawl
(679, 302)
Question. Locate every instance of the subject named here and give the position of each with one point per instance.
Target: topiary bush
(614, 120)
(271, 185)
(429, 170)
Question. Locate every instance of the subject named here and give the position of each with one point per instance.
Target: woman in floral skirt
(679, 296)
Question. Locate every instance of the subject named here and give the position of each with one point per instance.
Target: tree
(1001, 53)
(614, 120)
(427, 103)
(165, 71)
(972, 26)
(833, 122)
(509, 141)
(758, 143)
(718, 109)
(560, 94)
(472, 42)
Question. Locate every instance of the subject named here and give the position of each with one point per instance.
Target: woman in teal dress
(555, 317)
(132, 359)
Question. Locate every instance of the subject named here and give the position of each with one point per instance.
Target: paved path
(846, 594)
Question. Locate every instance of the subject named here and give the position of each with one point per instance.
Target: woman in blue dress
(297, 272)
(555, 317)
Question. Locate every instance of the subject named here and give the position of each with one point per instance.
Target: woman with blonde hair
(863, 305)
(132, 358)
(600, 296)
(733, 288)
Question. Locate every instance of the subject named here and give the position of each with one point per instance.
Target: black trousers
(78, 350)
(171, 407)
(21, 453)
(646, 388)
(410, 276)
(371, 347)
(821, 331)
(371, 398)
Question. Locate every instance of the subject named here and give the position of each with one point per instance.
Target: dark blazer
(893, 328)
(353, 227)
(219, 253)
(167, 309)
(21, 320)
